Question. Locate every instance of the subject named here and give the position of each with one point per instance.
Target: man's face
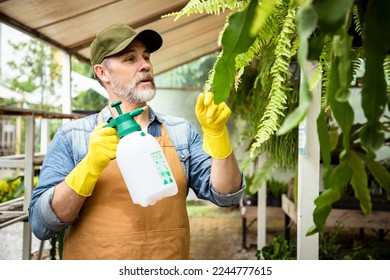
(131, 74)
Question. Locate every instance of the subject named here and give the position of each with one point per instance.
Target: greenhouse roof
(71, 25)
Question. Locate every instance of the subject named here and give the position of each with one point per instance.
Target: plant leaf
(324, 141)
(338, 179)
(376, 45)
(378, 171)
(262, 174)
(371, 138)
(320, 215)
(323, 137)
(359, 182)
(331, 14)
(237, 37)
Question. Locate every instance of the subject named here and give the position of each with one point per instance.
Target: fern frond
(208, 83)
(202, 6)
(356, 65)
(325, 66)
(356, 20)
(270, 121)
(316, 77)
(265, 36)
(262, 174)
(386, 66)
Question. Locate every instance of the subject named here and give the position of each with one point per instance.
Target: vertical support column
(66, 85)
(18, 136)
(1, 51)
(28, 184)
(262, 210)
(44, 135)
(308, 176)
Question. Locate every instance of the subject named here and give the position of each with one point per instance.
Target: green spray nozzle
(125, 123)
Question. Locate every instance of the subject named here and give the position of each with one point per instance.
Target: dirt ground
(214, 238)
(217, 233)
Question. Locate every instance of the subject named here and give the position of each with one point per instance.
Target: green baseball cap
(117, 37)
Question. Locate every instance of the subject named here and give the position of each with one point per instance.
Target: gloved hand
(213, 119)
(102, 148)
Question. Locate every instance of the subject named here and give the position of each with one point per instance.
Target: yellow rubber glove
(102, 148)
(213, 119)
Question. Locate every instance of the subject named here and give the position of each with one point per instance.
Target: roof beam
(157, 16)
(29, 31)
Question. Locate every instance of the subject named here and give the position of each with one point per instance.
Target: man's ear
(101, 73)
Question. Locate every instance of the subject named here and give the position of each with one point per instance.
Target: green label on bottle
(162, 167)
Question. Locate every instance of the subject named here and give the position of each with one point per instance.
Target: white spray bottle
(141, 160)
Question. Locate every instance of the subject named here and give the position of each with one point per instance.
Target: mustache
(145, 76)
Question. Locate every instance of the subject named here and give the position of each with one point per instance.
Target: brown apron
(111, 226)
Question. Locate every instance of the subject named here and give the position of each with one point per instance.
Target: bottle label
(162, 167)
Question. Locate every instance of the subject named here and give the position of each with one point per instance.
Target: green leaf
(376, 42)
(333, 137)
(312, 230)
(331, 14)
(292, 120)
(378, 171)
(338, 179)
(262, 174)
(323, 137)
(344, 115)
(223, 83)
(341, 109)
(370, 137)
(239, 35)
(320, 216)
(359, 182)
(324, 141)
(328, 197)
(342, 174)
(342, 48)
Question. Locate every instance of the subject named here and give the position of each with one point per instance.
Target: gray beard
(131, 93)
(135, 95)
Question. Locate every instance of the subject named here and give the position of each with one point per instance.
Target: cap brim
(151, 39)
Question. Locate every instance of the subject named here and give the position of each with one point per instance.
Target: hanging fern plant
(254, 73)
(257, 35)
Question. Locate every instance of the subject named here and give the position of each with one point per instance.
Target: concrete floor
(11, 242)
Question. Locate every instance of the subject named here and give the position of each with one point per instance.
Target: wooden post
(308, 176)
(262, 210)
(66, 85)
(28, 183)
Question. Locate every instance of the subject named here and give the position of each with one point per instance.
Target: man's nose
(145, 65)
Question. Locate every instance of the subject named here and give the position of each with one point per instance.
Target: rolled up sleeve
(229, 199)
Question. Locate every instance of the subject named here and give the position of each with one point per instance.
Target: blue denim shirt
(70, 145)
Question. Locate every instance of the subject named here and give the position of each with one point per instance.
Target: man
(81, 188)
